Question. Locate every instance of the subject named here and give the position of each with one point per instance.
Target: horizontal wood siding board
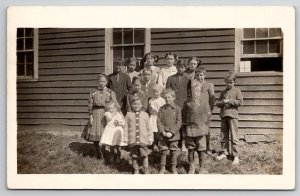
(82, 33)
(204, 60)
(51, 65)
(255, 88)
(81, 57)
(256, 110)
(63, 52)
(53, 103)
(197, 46)
(254, 81)
(71, 40)
(70, 71)
(74, 45)
(243, 110)
(226, 38)
(74, 77)
(43, 31)
(85, 115)
(56, 84)
(199, 53)
(166, 30)
(183, 34)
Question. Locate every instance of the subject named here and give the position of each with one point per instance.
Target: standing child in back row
(230, 99)
(168, 70)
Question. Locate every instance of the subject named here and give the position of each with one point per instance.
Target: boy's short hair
(118, 62)
(157, 87)
(231, 75)
(201, 70)
(131, 60)
(147, 69)
(135, 98)
(112, 103)
(181, 63)
(136, 79)
(101, 75)
(169, 92)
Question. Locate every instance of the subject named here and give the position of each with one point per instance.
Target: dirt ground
(44, 152)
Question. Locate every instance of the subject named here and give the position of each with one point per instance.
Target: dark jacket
(182, 88)
(169, 120)
(120, 87)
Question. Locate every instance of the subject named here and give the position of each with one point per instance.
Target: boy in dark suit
(181, 84)
(120, 83)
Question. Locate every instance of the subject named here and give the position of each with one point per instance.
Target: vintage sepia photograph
(158, 102)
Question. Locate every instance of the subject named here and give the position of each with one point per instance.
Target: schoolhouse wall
(262, 112)
(69, 61)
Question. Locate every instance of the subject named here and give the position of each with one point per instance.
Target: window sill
(260, 73)
(27, 79)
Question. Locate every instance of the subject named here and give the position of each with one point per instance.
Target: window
(27, 53)
(260, 49)
(125, 43)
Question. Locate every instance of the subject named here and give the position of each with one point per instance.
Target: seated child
(168, 124)
(138, 135)
(230, 99)
(113, 132)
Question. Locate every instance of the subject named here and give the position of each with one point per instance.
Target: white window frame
(239, 54)
(109, 47)
(35, 58)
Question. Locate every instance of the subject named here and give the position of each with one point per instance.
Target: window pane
(128, 36)
(274, 46)
(20, 57)
(29, 32)
(28, 43)
(20, 44)
(262, 47)
(117, 52)
(117, 37)
(274, 32)
(20, 70)
(20, 32)
(128, 52)
(249, 33)
(139, 36)
(29, 69)
(261, 32)
(139, 51)
(29, 57)
(248, 47)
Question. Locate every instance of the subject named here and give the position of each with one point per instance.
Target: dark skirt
(93, 132)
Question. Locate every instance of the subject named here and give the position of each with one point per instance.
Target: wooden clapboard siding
(262, 111)
(69, 61)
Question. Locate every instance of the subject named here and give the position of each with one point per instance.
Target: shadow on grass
(84, 149)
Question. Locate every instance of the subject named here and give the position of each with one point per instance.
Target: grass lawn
(42, 152)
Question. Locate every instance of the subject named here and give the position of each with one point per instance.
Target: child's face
(149, 61)
(180, 69)
(117, 68)
(136, 105)
(169, 99)
(131, 67)
(137, 87)
(147, 76)
(229, 84)
(156, 93)
(102, 82)
(193, 64)
(200, 76)
(112, 109)
(170, 60)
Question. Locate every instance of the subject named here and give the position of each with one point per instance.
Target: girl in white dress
(112, 135)
(154, 104)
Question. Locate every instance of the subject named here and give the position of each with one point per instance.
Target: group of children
(164, 109)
